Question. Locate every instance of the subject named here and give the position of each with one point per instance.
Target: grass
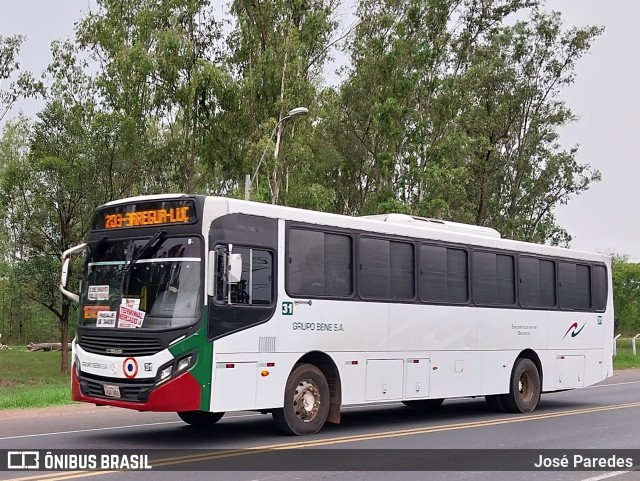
(32, 379)
(624, 359)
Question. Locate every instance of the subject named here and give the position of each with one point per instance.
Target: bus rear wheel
(423, 404)
(525, 388)
(200, 419)
(306, 402)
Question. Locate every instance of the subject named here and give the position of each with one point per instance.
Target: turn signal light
(264, 373)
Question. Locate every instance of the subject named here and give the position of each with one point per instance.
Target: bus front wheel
(200, 419)
(525, 388)
(306, 402)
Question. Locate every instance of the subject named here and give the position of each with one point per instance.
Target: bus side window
(256, 282)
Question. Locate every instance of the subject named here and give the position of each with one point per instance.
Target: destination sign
(145, 214)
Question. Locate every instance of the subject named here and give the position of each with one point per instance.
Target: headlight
(166, 372)
(176, 367)
(76, 365)
(184, 363)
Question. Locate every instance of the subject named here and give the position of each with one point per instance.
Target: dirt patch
(78, 409)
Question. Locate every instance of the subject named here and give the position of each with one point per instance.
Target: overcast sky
(604, 97)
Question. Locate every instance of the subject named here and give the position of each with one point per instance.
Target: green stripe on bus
(203, 368)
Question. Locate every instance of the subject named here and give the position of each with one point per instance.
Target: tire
(525, 388)
(306, 402)
(496, 403)
(200, 419)
(424, 404)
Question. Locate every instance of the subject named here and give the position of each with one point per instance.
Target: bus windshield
(147, 283)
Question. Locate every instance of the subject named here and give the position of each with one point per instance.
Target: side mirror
(64, 275)
(235, 268)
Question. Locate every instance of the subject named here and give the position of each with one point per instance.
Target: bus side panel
(455, 373)
(244, 381)
(421, 327)
(502, 329)
(496, 371)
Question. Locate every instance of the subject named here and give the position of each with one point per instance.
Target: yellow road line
(334, 441)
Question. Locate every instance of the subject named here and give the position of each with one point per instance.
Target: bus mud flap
(334, 412)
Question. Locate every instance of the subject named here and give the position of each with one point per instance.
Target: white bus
(202, 305)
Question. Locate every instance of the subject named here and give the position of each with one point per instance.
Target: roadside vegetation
(32, 379)
(624, 358)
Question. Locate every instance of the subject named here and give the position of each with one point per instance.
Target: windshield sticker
(130, 318)
(131, 303)
(106, 319)
(91, 312)
(98, 293)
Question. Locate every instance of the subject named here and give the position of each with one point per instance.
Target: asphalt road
(600, 417)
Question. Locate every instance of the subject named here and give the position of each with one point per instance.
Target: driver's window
(256, 283)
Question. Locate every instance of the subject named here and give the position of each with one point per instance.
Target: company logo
(130, 368)
(23, 460)
(573, 329)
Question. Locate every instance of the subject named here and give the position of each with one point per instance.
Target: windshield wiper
(95, 248)
(158, 236)
(133, 257)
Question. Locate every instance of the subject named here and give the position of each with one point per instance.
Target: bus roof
(390, 224)
(435, 224)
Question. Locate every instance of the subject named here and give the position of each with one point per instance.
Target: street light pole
(248, 180)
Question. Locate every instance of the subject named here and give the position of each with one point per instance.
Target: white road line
(357, 406)
(88, 430)
(161, 423)
(109, 428)
(612, 474)
(606, 476)
(612, 384)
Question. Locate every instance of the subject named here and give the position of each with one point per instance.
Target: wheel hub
(306, 401)
(524, 387)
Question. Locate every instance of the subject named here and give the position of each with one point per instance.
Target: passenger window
(537, 282)
(493, 279)
(319, 264)
(443, 274)
(386, 269)
(575, 286)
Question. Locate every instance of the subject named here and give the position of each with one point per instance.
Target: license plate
(112, 391)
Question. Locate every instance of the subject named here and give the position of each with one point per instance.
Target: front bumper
(180, 394)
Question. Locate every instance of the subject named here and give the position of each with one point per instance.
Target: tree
(24, 85)
(517, 171)
(50, 194)
(14, 150)
(460, 119)
(277, 52)
(626, 295)
(401, 100)
(159, 73)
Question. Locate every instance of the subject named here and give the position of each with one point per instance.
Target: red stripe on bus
(180, 394)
